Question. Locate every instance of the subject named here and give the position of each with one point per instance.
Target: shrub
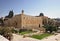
(50, 28)
(14, 30)
(6, 32)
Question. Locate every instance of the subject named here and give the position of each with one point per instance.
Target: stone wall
(30, 22)
(23, 21)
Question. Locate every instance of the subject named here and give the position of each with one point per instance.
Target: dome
(41, 14)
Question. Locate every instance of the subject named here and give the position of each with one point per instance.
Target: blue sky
(50, 8)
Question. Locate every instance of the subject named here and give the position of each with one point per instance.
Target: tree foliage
(6, 32)
(1, 22)
(11, 13)
(50, 28)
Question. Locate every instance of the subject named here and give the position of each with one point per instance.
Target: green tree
(11, 14)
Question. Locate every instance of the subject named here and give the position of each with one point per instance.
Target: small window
(39, 25)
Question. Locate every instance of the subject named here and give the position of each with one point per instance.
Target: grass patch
(25, 32)
(41, 36)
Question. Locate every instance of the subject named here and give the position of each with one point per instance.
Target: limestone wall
(31, 22)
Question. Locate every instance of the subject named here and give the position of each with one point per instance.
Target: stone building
(23, 21)
(28, 22)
